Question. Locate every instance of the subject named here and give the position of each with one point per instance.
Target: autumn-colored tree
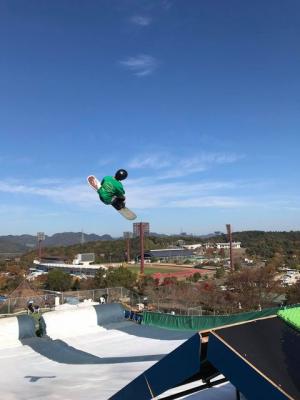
(88, 284)
(146, 284)
(293, 294)
(169, 281)
(254, 286)
(76, 284)
(40, 282)
(3, 282)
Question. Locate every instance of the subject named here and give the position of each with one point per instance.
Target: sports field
(149, 270)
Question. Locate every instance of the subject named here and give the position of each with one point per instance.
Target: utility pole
(229, 234)
(142, 247)
(82, 240)
(40, 237)
(128, 249)
(127, 236)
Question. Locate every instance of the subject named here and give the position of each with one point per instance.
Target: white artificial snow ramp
(91, 352)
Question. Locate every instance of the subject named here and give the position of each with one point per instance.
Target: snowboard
(125, 212)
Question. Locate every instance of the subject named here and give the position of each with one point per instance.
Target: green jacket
(110, 187)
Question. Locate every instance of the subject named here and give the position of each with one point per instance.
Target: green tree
(114, 277)
(196, 277)
(146, 283)
(100, 278)
(58, 280)
(220, 272)
(120, 277)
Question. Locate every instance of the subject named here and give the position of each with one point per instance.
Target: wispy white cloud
(140, 65)
(176, 167)
(200, 163)
(166, 4)
(210, 202)
(152, 193)
(105, 161)
(64, 192)
(153, 161)
(9, 159)
(12, 210)
(48, 181)
(141, 193)
(141, 20)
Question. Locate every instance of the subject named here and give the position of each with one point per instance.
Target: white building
(235, 245)
(193, 246)
(84, 259)
(290, 277)
(82, 264)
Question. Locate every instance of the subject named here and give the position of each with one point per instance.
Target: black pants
(118, 203)
(30, 308)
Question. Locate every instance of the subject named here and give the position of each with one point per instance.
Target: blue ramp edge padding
(109, 313)
(245, 378)
(133, 316)
(170, 371)
(26, 326)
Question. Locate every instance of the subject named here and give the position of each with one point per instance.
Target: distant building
(84, 258)
(235, 245)
(171, 254)
(212, 245)
(82, 264)
(136, 228)
(127, 235)
(147, 257)
(209, 245)
(166, 254)
(193, 246)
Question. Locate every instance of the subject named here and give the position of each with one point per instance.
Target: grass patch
(152, 270)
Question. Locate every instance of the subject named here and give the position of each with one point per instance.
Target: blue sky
(198, 100)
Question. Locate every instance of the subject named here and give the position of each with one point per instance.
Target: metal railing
(48, 300)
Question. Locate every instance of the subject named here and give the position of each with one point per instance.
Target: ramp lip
(267, 346)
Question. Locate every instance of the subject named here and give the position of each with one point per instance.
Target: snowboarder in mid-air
(111, 191)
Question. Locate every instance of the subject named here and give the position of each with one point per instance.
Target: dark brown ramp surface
(272, 347)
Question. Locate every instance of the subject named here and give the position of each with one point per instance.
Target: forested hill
(267, 244)
(259, 243)
(23, 243)
(110, 250)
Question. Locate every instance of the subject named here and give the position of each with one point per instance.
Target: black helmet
(121, 174)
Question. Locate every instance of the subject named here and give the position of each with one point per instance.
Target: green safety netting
(197, 323)
(291, 316)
